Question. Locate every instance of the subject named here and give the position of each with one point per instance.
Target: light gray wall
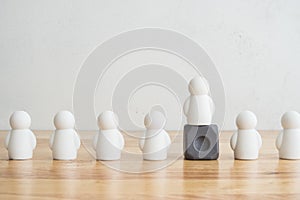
(254, 44)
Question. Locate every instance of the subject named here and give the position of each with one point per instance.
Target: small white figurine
(108, 142)
(247, 141)
(199, 107)
(65, 141)
(287, 141)
(156, 141)
(20, 141)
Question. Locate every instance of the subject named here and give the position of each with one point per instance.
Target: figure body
(65, 141)
(156, 141)
(247, 141)
(288, 139)
(199, 107)
(20, 141)
(108, 142)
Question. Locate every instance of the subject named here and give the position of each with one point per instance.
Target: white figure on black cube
(247, 141)
(199, 107)
(201, 137)
(156, 141)
(65, 141)
(108, 142)
(287, 141)
(20, 141)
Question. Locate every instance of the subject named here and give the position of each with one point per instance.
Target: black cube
(201, 142)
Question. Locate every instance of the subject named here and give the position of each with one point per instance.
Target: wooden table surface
(85, 178)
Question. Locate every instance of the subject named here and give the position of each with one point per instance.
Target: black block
(201, 142)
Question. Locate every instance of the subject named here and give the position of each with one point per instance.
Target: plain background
(255, 45)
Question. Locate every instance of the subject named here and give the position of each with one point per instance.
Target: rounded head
(108, 120)
(199, 86)
(64, 120)
(290, 120)
(155, 120)
(246, 120)
(20, 120)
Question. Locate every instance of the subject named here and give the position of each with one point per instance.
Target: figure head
(290, 120)
(108, 120)
(246, 120)
(20, 120)
(199, 86)
(64, 120)
(155, 120)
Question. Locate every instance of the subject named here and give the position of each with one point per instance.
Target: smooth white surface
(199, 86)
(65, 141)
(64, 120)
(254, 44)
(246, 120)
(20, 141)
(109, 141)
(290, 120)
(246, 142)
(199, 106)
(287, 141)
(108, 120)
(155, 120)
(20, 120)
(156, 140)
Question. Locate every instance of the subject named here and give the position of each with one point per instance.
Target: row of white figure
(199, 109)
(65, 141)
(109, 142)
(246, 142)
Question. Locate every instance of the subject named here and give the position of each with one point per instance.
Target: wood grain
(85, 178)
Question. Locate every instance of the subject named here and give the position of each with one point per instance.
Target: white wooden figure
(288, 139)
(108, 142)
(65, 141)
(199, 107)
(156, 141)
(247, 141)
(20, 141)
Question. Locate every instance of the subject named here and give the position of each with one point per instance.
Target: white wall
(254, 44)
